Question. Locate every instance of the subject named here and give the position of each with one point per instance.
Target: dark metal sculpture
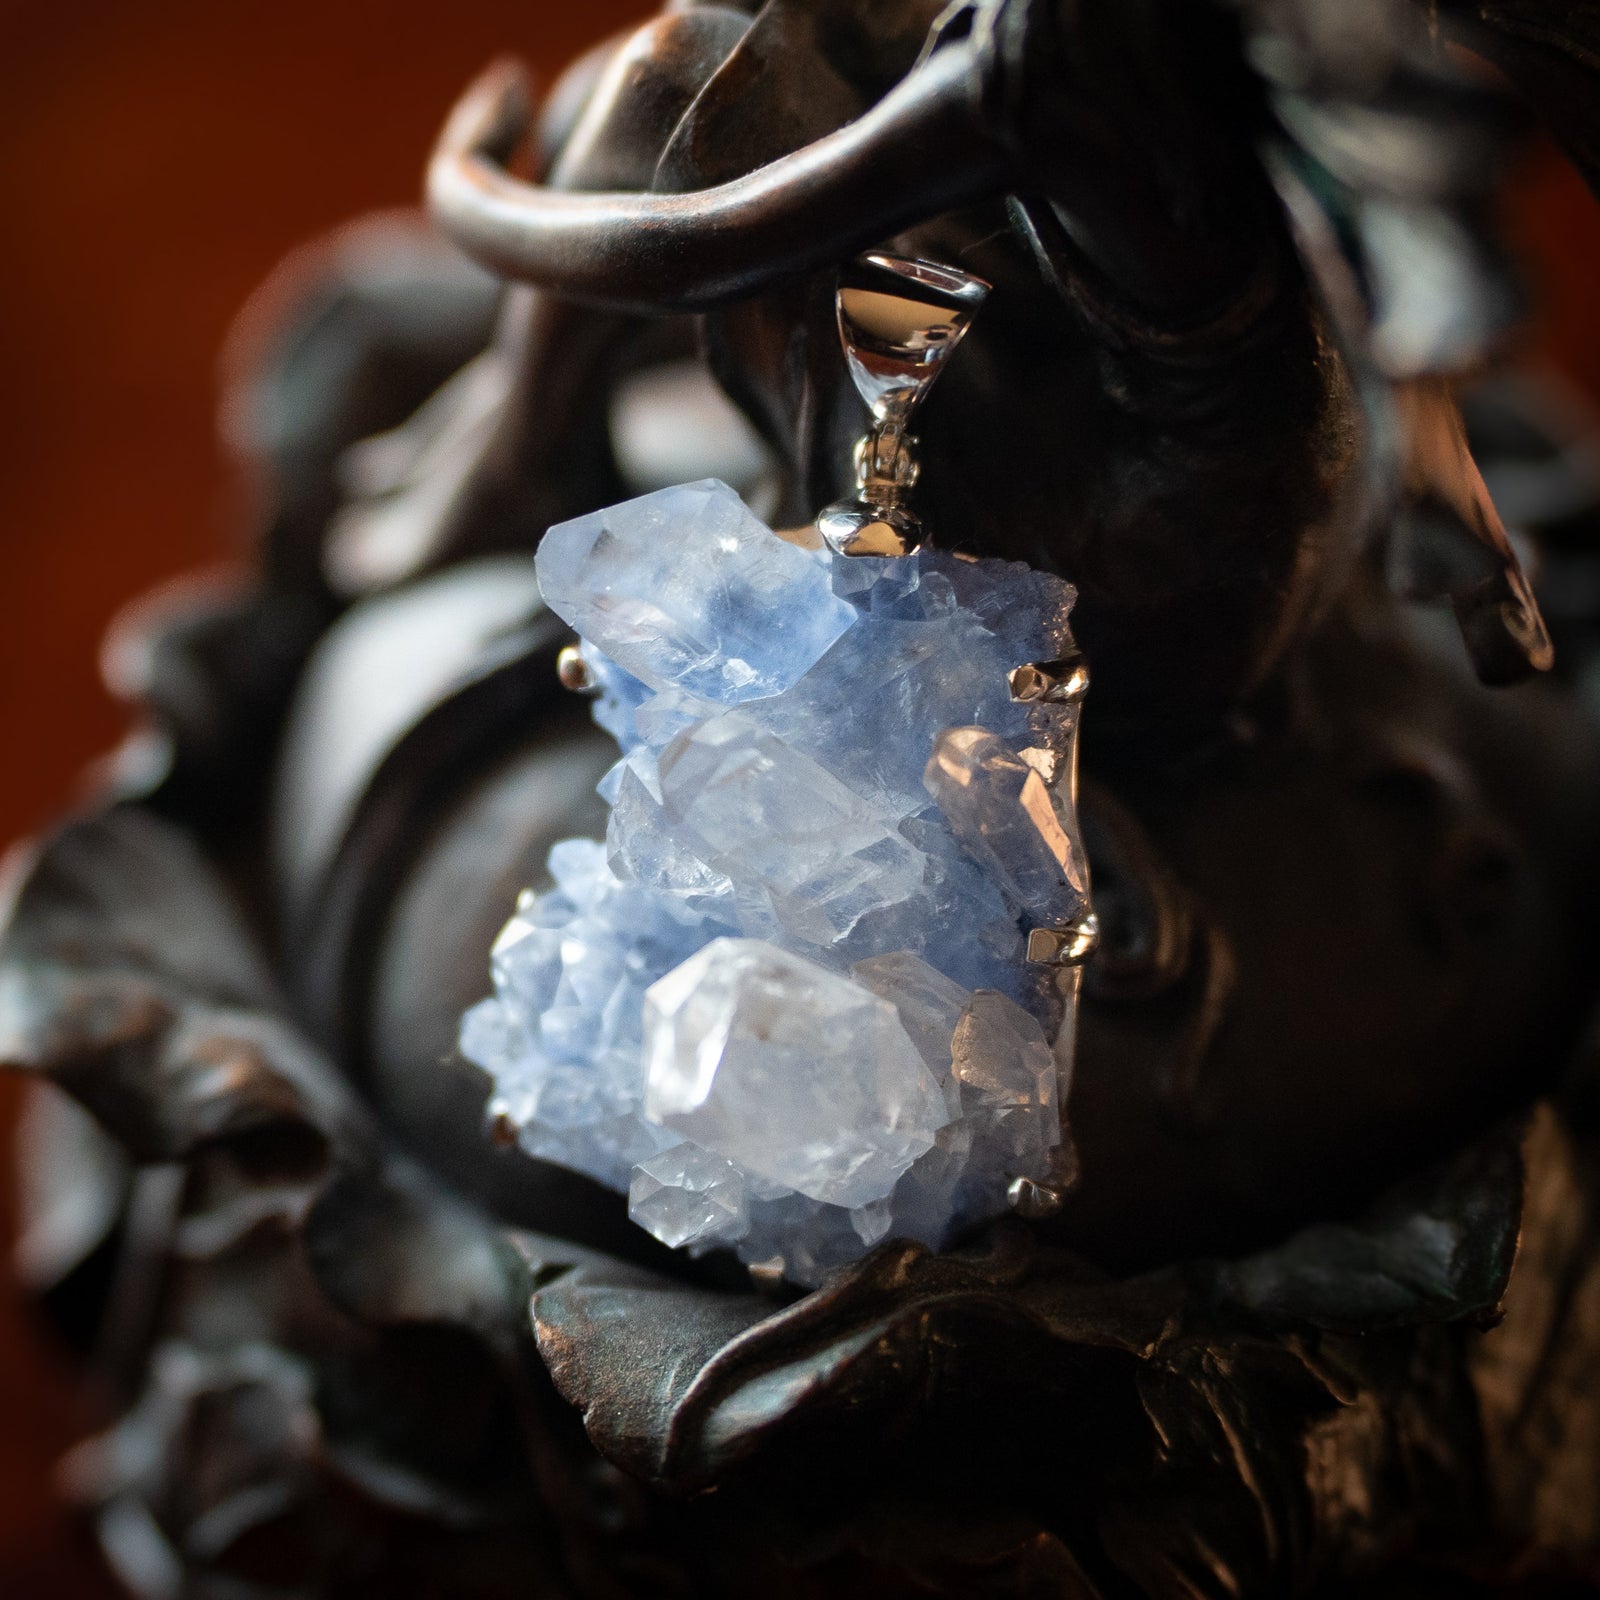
(1324, 1305)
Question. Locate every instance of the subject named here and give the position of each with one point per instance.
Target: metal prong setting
(1033, 1201)
(1051, 682)
(1037, 1198)
(573, 671)
(899, 320)
(1070, 946)
(1058, 683)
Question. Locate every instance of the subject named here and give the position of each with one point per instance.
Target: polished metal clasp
(899, 320)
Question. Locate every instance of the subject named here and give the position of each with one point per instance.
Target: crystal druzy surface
(785, 1005)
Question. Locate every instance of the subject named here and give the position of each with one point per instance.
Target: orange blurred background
(156, 160)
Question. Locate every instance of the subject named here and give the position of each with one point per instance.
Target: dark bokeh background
(156, 160)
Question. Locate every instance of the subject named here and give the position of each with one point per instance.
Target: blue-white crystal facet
(998, 806)
(802, 1077)
(689, 1196)
(685, 588)
(785, 1004)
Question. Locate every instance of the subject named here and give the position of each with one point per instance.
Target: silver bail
(899, 321)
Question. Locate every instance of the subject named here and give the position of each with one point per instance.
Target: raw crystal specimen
(842, 1041)
(619, 697)
(1008, 1091)
(997, 805)
(783, 830)
(871, 707)
(686, 588)
(928, 1003)
(686, 1195)
(803, 1078)
(872, 583)
(563, 1034)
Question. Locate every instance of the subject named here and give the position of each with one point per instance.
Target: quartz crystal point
(689, 1196)
(783, 830)
(1006, 1075)
(930, 1008)
(842, 1042)
(685, 588)
(804, 1078)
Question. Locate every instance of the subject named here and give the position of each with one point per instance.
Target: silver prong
(1051, 682)
(573, 671)
(1033, 1201)
(1068, 946)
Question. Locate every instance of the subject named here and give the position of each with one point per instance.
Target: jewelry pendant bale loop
(899, 321)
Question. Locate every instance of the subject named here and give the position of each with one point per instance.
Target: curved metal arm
(921, 150)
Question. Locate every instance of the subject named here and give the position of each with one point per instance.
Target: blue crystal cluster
(785, 1004)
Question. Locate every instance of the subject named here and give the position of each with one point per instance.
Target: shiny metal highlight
(899, 321)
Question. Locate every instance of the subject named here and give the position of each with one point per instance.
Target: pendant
(818, 987)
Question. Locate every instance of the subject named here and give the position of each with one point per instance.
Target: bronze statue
(1321, 1307)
